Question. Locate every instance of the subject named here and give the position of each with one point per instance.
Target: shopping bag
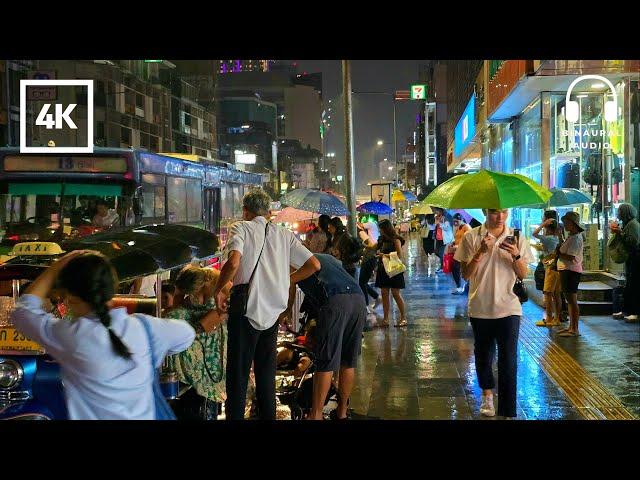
(393, 265)
(617, 250)
(447, 263)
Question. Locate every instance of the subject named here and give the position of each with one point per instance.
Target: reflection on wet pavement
(426, 371)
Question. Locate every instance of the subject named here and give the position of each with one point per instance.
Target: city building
(137, 103)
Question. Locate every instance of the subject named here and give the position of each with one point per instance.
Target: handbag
(240, 293)
(617, 249)
(393, 265)
(519, 287)
(447, 263)
(539, 275)
(163, 410)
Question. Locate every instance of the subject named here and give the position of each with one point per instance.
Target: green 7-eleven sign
(418, 92)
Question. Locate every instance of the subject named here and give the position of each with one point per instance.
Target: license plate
(12, 339)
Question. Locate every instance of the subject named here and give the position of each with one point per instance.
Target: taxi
(30, 385)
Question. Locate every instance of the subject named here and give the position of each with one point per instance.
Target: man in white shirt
(492, 258)
(252, 337)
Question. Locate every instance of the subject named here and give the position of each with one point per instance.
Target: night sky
(372, 114)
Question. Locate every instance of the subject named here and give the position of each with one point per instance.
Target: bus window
(177, 196)
(194, 201)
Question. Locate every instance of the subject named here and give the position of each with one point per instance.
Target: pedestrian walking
(258, 257)
(443, 234)
(319, 240)
(390, 241)
(460, 229)
(369, 237)
(338, 334)
(570, 267)
(492, 257)
(630, 233)
(552, 289)
(105, 355)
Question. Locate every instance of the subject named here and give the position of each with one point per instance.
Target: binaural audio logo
(55, 116)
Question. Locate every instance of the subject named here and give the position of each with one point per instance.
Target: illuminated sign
(466, 128)
(13, 163)
(418, 92)
(246, 158)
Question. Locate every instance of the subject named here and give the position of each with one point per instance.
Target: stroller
(296, 367)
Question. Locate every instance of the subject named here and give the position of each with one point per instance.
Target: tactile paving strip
(590, 397)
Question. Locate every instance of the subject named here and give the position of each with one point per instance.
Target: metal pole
(8, 79)
(348, 146)
(395, 140)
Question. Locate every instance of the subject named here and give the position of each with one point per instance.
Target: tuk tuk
(30, 380)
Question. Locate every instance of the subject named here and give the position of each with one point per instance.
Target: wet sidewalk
(426, 370)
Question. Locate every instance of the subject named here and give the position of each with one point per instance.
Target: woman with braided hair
(105, 355)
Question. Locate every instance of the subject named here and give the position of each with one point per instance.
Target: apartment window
(125, 135)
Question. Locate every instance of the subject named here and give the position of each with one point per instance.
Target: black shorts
(569, 281)
(338, 336)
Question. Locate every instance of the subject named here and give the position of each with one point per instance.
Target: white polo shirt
(269, 291)
(491, 287)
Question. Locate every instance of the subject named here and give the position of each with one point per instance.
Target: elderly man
(492, 258)
(259, 255)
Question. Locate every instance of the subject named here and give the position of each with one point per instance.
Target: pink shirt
(572, 246)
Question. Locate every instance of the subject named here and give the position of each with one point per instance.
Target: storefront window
(588, 155)
(528, 162)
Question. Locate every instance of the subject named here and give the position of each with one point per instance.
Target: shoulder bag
(163, 410)
(240, 293)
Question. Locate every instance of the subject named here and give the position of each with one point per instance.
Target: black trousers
(366, 270)
(632, 284)
(457, 273)
(245, 344)
(503, 332)
(440, 249)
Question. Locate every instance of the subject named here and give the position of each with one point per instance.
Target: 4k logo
(46, 119)
(58, 119)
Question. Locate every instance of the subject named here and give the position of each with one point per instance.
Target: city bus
(51, 197)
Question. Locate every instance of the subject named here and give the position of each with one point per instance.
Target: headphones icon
(610, 106)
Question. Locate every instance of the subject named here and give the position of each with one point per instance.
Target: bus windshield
(51, 216)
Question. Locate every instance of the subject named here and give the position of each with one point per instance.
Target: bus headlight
(11, 373)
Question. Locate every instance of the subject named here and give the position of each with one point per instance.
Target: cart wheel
(296, 413)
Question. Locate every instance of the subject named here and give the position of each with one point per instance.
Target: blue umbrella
(375, 208)
(315, 201)
(565, 197)
(409, 195)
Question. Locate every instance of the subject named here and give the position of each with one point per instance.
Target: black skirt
(383, 280)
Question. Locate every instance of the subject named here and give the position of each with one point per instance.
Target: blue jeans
(502, 332)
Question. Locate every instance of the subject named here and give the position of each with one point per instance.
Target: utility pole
(348, 147)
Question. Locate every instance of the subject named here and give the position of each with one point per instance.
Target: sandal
(402, 323)
(569, 333)
(384, 323)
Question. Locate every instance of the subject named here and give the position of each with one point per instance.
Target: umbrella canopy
(565, 197)
(409, 196)
(470, 213)
(139, 251)
(292, 215)
(398, 196)
(315, 201)
(421, 209)
(376, 208)
(487, 189)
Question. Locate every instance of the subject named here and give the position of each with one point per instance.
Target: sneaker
(631, 319)
(618, 316)
(370, 310)
(486, 408)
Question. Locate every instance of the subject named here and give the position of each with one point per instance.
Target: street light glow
(380, 143)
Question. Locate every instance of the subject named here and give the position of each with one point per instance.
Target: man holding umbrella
(492, 258)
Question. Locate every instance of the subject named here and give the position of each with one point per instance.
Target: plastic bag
(617, 250)
(393, 265)
(447, 263)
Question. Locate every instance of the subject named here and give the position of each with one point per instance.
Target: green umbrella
(487, 189)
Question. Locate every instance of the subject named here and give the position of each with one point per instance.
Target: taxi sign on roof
(36, 248)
